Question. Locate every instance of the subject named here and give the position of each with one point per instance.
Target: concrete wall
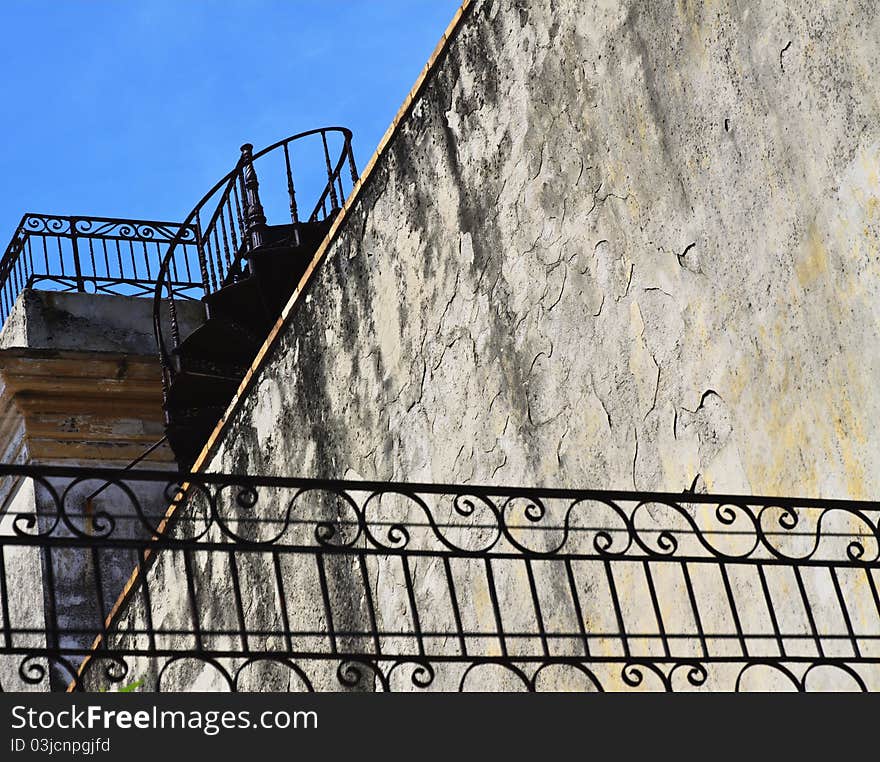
(89, 322)
(80, 384)
(22, 571)
(613, 245)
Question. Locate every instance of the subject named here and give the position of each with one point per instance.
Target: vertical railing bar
(291, 191)
(4, 602)
(193, 605)
(537, 604)
(732, 603)
(282, 599)
(148, 601)
(371, 609)
(291, 196)
(147, 260)
(809, 610)
(578, 611)
(45, 253)
(204, 261)
(99, 593)
(351, 165)
(617, 611)
(239, 604)
(107, 258)
(119, 258)
(325, 594)
(60, 257)
(846, 618)
(233, 235)
(221, 271)
(493, 595)
(693, 598)
(209, 256)
(773, 620)
(333, 200)
(417, 624)
(173, 269)
(51, 613)
(133, 260)
(172, 318)
(652, 590)
(30, 249)
(242, 210)
(456, 611)
(241, 228)
(186, 262)
(77, 265)
(225, 241)
(92, 257)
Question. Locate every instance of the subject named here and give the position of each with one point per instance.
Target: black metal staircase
(249, 271)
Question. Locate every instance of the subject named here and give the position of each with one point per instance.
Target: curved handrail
(237, 219)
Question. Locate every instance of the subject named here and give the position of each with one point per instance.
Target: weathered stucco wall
(80, 384)
(614, 245)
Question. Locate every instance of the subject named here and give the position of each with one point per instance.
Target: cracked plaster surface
(591, 217)
(598, 253)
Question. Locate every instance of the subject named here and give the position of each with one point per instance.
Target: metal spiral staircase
(249, 270)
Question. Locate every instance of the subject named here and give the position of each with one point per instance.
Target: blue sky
(135, 108)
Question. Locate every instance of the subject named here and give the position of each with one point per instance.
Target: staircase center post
(255, 219)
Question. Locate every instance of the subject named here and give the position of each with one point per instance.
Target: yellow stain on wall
(814, 264)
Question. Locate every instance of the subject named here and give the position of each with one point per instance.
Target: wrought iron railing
(295, 584)
(99, 255)
(230, 219)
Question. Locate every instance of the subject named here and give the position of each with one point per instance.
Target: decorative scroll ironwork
(293, 584)
(96, 254)
(230, 220)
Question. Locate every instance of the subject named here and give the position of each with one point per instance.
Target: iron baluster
(80, 285)
(351, 165)
(291, 194)
(147, 260)
(222, 271)
(30, 250)
(172, 317)
(225, 237)
(106, 257)
(238, 214)
(228, 205)
(204, 261)
(334, 201)
(242, 212)
(92, 257)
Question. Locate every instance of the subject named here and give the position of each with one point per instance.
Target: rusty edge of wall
(216, 436)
